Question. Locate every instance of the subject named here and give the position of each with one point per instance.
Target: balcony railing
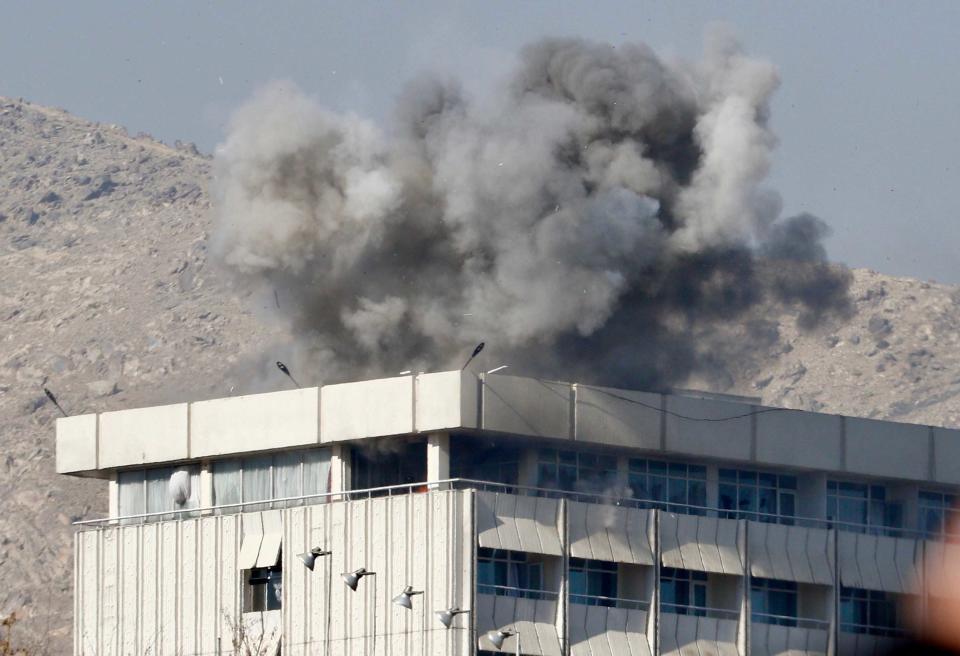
(872, 629)
(517, 593)
(683, 509)
(700, 611)
(787, 620)
(609, 602)
(520, 490)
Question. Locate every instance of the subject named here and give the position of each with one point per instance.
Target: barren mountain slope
(106, 294)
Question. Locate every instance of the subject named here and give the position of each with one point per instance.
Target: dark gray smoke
(595, 219)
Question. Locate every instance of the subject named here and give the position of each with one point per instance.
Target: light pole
(351, 579)
(309, 560)
(405, 600)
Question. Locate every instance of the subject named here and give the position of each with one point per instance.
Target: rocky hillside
(107, 297)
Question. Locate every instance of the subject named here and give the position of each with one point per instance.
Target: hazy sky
(867, 113)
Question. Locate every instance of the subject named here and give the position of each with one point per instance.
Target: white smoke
(570, 221)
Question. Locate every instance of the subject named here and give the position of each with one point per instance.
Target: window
(760, 496)
(509, 573)
(593, 582)
(683, 591)
(263, 590)
(278, 476)
(383, 463)
(679, 483)
(484, 460)
(158, 490)
(574, 471)
(936, 512)
(869, 611)
(773, 602)
(862, 507)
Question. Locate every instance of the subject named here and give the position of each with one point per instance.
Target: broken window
(263, 589)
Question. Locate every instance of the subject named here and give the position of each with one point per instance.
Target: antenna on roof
(54, 400)
(475, 353)
(282, 367)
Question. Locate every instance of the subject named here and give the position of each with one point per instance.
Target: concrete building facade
(571, 519)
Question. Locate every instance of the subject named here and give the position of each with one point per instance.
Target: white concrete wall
(76, 444)
(143, 436)
(449, 399)
(518, 523)
(371, 408)
(604, 417)
(773, 640)
(509, 404)
(254, 423)
(730, 439)
(527, 406)
(859, 644)
(883, 448)
(946, 452)
(791, 553)
(599, 631)
(705, 544)
(535, 620)
(686, 635)
(173, 588)
(799, 439)
(879, 562)
(609, 532)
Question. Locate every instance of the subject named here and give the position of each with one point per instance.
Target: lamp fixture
(498, 636)
(310, 557)
(404, 598)
(446, 616)
(353, 578)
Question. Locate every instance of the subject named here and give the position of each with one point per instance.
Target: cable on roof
(678, 415)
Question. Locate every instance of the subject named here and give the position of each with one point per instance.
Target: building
(573, 518)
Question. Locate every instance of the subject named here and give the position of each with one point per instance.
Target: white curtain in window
(226, 484)
(158, 492)
(316, 472)
(256, 482)
(131, 500)
(286, 477)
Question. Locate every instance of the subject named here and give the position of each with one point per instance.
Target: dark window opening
(681, 484)
(263, 590)
(484, 460)
(683, 591)
(511, 574)
(593, 582)
(773, 601)
(388, 462)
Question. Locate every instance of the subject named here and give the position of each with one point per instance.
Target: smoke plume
(596, 218)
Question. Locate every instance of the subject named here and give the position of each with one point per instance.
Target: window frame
(696, 584)
(756, 481)
(143, 478)
(239, 466)
(515, 565)
(644, 474)
(607, 573)
(767, 589)
(587, 472)
(874, 607)
(256, 593)
(874, 499)
(945, 509)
